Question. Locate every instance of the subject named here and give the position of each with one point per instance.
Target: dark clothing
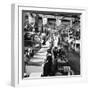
(54, 67)
(55, 52)
(48, 66)
(44, 40)
(61, 53)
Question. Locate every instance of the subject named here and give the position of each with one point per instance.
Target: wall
(5, 38)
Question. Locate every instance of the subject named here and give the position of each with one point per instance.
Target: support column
(44, 19)
(58, 23)
(71, 23)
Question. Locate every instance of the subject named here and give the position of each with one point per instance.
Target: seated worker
(55, 58)
(61, 53)
(55, 52)
(44, 38)
(47, 70)
(26, 59)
